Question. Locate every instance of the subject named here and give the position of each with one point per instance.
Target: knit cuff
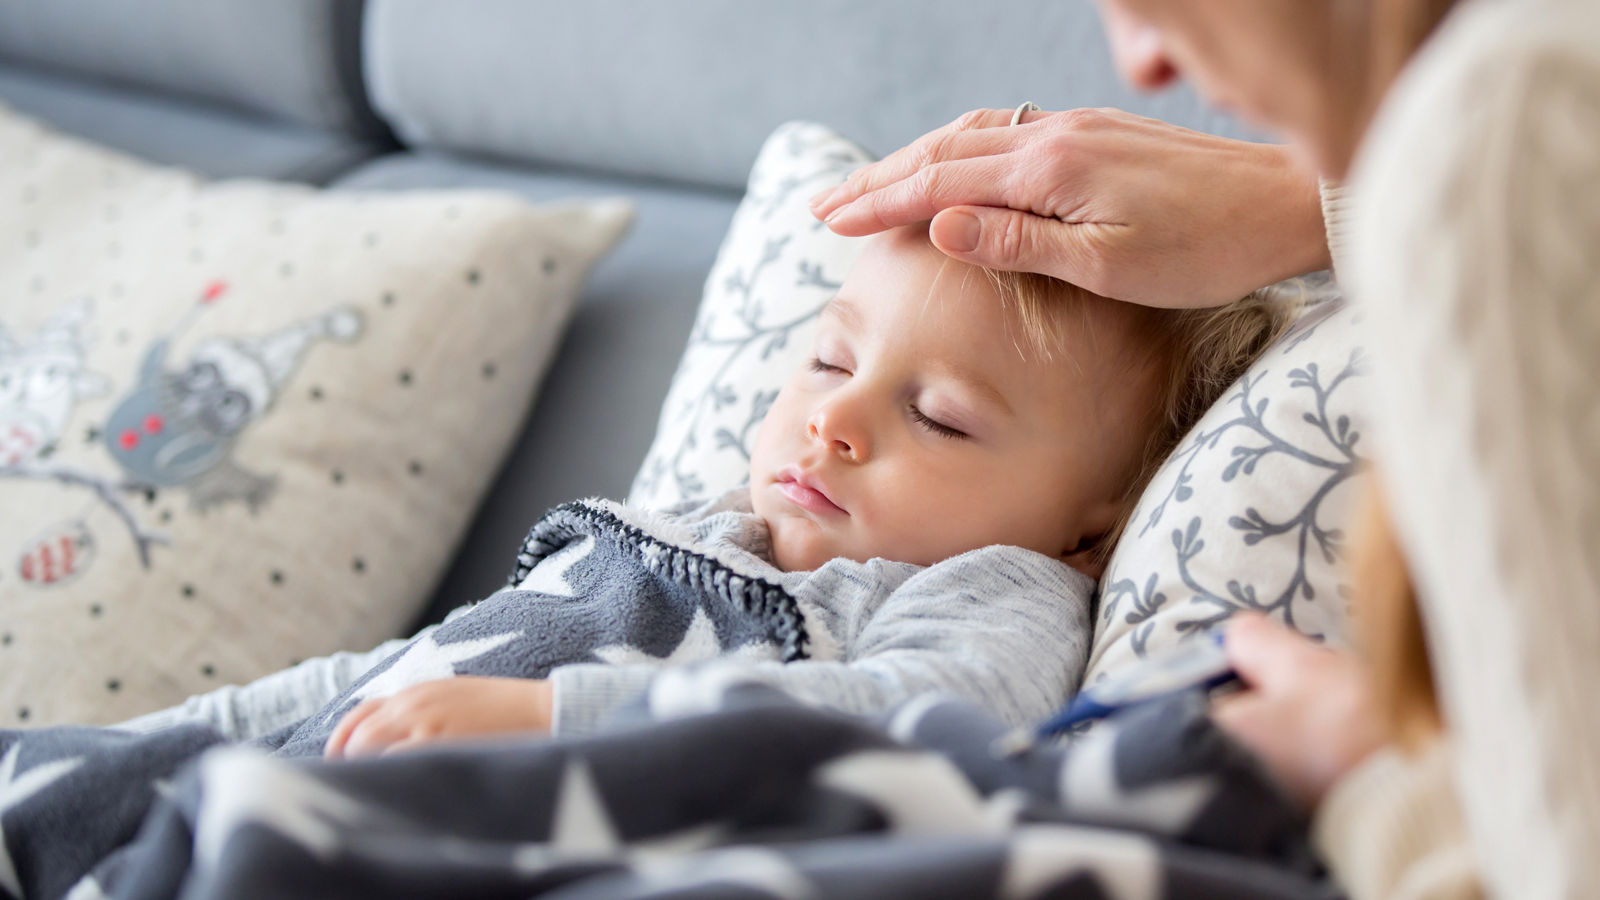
(1392, 828)
(1335, 221)
(584, 693)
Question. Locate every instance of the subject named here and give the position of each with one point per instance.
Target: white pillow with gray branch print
(1251, 511)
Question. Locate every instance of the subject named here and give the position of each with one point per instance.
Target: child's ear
(1087, 558)
(1088, 554)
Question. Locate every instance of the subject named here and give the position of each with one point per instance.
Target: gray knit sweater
(1005, 627)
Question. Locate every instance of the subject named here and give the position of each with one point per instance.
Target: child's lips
(806, 492)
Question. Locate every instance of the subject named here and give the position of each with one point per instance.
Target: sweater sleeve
(1475, 223)
(1335, 222)
(243, 712)
(1003, 627)
(1392, 829)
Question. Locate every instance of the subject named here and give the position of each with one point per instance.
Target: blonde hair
(1389, 627)
(1188, 356)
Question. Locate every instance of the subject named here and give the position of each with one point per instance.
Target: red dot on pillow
(153, 423)
(128, 440)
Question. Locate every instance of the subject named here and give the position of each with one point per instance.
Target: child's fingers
(335, 747)
(413, 742)
(375, 733)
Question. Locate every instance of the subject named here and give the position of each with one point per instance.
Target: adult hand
(1307, 710)
(451, 708)
(1128, 207)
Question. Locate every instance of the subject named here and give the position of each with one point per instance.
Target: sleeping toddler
(930, 499)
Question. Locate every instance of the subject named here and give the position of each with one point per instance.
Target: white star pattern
(87, 888)
(919, 793)
(580, 827)
(14, 789)
(699, 643)
(1089, 785)
(1127, 867)
(427, 660)
(245, 786)
(903, 724)
(550, 575)
(580, 821)
(763, 870)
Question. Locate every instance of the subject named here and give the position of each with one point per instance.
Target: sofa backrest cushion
(294, 59)
(689, 91)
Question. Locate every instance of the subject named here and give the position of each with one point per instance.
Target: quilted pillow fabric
(244, 423)
(1249, 512)
(777, 268)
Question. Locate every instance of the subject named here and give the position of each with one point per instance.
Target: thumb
(1263, 652)
(1010, 240)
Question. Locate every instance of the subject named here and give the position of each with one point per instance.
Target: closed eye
(938, 428)
(817, 365)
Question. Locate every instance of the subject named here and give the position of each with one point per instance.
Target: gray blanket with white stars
(714, 788)
(716, 784)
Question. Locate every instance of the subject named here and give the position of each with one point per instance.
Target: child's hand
(451, 708)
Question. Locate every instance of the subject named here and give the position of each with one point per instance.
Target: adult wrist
(1301, 228)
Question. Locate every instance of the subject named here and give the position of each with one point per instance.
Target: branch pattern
(1320, 444)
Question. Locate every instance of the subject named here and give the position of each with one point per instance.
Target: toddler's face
(920, 430)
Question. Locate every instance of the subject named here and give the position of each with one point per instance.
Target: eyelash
(938, 428)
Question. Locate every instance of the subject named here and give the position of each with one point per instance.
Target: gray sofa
(662, 102)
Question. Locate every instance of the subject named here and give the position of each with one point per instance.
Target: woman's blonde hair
(1188, 356)
(1389, 627)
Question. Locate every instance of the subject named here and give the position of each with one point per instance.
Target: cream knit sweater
(1472, 239)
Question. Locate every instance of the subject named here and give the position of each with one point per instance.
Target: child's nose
(837, 426)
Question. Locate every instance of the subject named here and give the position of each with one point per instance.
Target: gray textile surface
(296, 60)
(198, 136)
(612, 599)
(725, 790)
(597, 408)
(689, 90)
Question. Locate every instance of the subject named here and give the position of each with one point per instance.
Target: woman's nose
(1137, 50)
(839, 427)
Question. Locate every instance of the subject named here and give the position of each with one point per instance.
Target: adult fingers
(974, 134)
(1237, 712)
(982, 181)
(1263, 652)
(335, 747)
(998, 238)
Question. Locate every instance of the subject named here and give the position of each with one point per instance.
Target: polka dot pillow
(1247, 514)
(244, 423)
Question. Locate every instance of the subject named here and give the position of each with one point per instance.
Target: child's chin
(801, 552)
